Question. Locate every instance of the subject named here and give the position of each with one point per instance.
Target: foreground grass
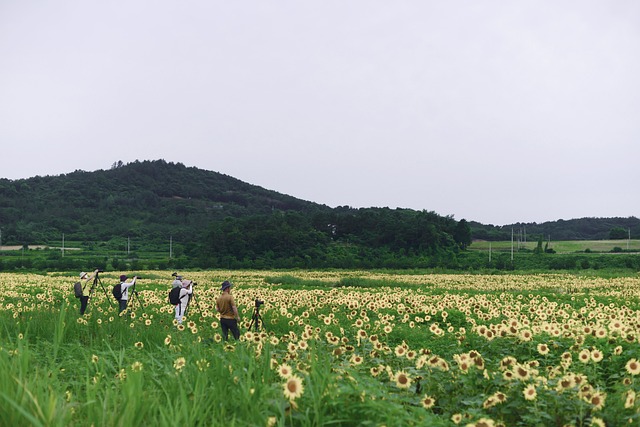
(338, 348)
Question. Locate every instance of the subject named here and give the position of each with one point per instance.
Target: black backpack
(77, 289)
(174, 296)
(117, 292)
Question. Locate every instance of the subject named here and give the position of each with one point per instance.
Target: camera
(259, 302)
(194, 283)
(174, 274)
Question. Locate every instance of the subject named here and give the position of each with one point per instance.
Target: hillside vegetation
(184, 217)
(213, 220)
(573, 229)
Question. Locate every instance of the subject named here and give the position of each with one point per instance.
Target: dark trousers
(123, 304)
(229, 325)
(83, 303)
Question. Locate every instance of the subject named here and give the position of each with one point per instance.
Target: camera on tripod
(256, 318)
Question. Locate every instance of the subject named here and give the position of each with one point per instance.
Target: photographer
(177, 280)
(86, 290)
(185, 296)
(124, 288)
(226, 306)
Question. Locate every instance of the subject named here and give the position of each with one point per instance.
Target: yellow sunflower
(584, 356)
(630, 399)
(179, 363)
(597, 400)
(293, 388)
(402, 380)
(530, 392)
(485, 422)
(543, 349)
(427, 401)
(633, 366)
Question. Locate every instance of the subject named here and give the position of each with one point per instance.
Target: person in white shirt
(124, 288)
(185, 295)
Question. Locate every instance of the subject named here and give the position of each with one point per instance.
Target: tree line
(343, 237)
(573, 229)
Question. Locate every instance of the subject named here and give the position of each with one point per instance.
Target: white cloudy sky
(492, 111)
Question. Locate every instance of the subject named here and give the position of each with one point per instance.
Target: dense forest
(141, 199)
(214, 220)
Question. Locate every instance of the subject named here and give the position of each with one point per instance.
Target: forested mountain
(154, 199)
(216, 219)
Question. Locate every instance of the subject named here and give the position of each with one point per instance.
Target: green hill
(150, 199)
(215, 220)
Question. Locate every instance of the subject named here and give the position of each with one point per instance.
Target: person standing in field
(124, 288)
(177, 281)
(229, 317)
(86, 290)
(185, 296)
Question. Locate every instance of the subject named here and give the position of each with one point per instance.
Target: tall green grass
(106, 369)
(58, 371)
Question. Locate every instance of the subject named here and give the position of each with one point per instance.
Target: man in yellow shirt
(86, 290)
(226, 306)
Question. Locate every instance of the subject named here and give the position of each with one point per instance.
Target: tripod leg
(135, 297)
(186, 308)
(195, 300)
(106, 294)
(260, 321)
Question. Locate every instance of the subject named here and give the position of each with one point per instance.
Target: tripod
(256, 318)
(192, 297)
(94, 285)
(135, 297)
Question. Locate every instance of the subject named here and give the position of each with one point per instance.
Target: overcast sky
(491, 111)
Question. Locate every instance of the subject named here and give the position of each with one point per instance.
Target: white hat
(82, 275)
(186, 283)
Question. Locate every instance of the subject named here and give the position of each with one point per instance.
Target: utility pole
(489, 250)
(629, 239)
(511, 244)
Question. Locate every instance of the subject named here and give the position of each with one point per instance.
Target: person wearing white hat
(86, 290)
(177, 282)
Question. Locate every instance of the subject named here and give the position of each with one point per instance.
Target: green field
(348, 348)
(563, 246)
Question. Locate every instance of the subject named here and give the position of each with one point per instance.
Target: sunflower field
(340, 348)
